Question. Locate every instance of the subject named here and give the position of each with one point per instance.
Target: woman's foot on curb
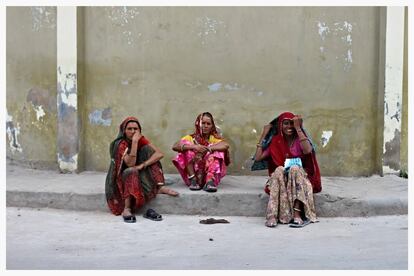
(271, 222)
(167, 191)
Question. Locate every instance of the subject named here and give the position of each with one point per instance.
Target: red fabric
(279, 151)
(126, 187)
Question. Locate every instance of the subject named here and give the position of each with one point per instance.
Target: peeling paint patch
(344, 29)
(232, 87)
(323, 30)
(123, 17)
(39, 112)
(326, 136)
(193, 85)
(101, 117)
(207, 26)
(214, 87)
(69, 99)
(43, 17)
(12, 133)
(68, 164)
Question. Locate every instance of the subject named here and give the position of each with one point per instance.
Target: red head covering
(199, 138)
(143, 141)
(279, 151)
(198, 133)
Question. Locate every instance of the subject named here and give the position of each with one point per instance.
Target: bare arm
(179, 147)
(260, 154)
(131, 158)
(220, 146)
(304, 141)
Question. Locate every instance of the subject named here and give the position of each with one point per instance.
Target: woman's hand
(200, 148)
(136, 137)
(297, 121)
(140, 166)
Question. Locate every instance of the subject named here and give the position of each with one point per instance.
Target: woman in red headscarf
(293, 170)
(202, 156)
(135, 174)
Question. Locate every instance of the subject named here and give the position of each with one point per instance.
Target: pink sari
(211, 166)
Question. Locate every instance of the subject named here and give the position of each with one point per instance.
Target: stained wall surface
(245, 65)
(31, 85)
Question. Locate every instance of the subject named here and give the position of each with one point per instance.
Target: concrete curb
(237, 195)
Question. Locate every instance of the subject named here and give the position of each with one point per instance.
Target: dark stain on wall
(41, 97)
(392, 152)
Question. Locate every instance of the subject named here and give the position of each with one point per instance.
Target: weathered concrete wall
(245, 65)
(31, 85)
(165, 65)
(404, 122)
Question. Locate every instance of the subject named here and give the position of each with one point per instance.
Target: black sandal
(152, 215)
(209, 187)
(130, 218)
(194, 185)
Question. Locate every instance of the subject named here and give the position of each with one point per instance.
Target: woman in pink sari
(202, 156)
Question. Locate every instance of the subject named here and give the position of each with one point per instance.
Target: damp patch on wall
(43, 17)
(326, 136)
(101, 117)
(12, 133)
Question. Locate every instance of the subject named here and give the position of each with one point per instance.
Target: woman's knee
(278, 172)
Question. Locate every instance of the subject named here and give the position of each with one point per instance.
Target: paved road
(59, 239)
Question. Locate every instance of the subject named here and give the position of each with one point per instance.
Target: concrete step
(237, 195)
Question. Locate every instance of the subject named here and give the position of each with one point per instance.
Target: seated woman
(293, 170)
(203, 155)
(135, 174)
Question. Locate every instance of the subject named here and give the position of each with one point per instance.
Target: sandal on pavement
(209, 187)
(194, 185)
(129, 219)
(152, 215)
(298, 223)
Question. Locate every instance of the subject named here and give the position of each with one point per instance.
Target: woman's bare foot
(126, 212)
(167, 191)
(271, 222)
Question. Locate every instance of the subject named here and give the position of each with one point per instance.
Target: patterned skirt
(285, 188)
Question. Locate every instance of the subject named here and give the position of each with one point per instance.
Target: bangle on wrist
(182, 147)
(131, 155)
(259, 145)
(303, 139)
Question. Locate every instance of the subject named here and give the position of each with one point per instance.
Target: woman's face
(130, 129)
(206, 125)
(287, 127)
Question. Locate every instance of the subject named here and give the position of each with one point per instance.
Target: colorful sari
(297, 183)
(123, 181)
(210, 166)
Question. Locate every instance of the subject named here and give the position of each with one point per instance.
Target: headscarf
(198, 134)
(111, 182)
(279, 151)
